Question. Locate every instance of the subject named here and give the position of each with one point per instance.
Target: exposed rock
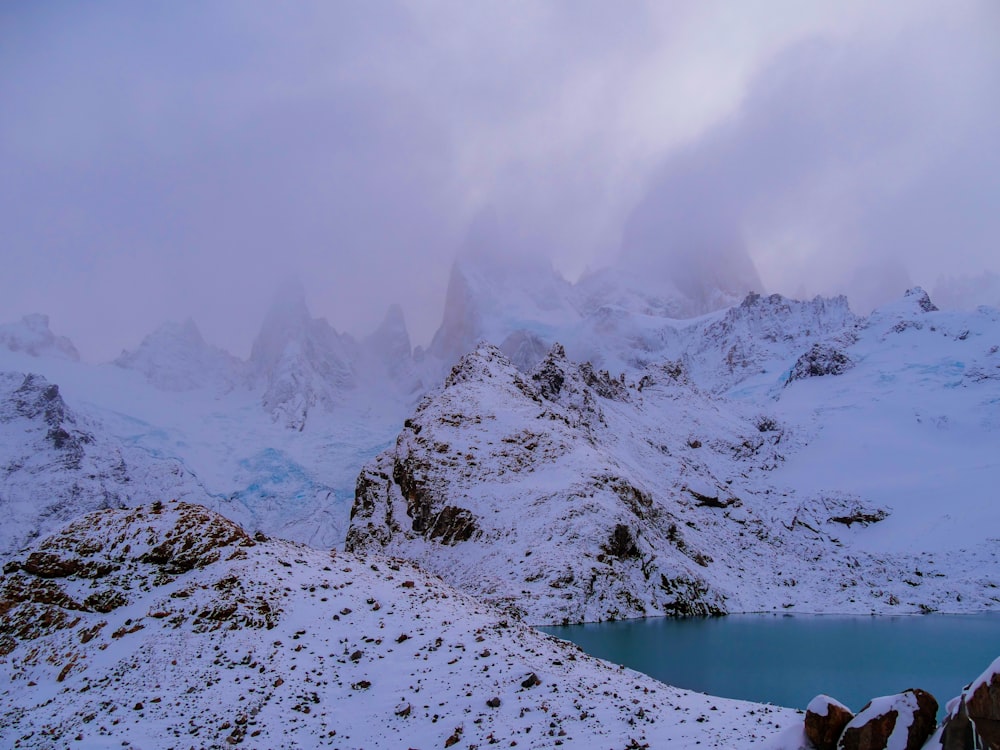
(825, 721)
(957, 730)
(904, 721)
(820, 360)
(983, 701)
(861, 516)
(57, 464)
(921, 298)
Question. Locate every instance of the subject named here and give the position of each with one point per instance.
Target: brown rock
(911, 714)
(957, 731)
(49, 565)
(825, 722)
(983, 702)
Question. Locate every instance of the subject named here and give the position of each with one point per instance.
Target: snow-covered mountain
(576, 495)
(33, 336)
(772, 455)
(167, 625)
(818, 431)
(56, 464)
(176, 358)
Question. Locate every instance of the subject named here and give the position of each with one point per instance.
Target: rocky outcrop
(825, 721)
(458, 494)
(921, 299)
(118, 552)
(903, 721)
(982, 699)
(820, 360)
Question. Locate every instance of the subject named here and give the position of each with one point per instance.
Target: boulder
(957, 731)
(901, 722)
(825, 721)
(982, 699)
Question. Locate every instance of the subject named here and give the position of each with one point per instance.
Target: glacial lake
(788, 659)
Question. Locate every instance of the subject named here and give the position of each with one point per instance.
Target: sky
(164, 160)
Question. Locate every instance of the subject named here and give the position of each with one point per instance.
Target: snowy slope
(913, 426)
(897, 440)
(575, 496)
(168, 626)
(56, 465)
(179, 400)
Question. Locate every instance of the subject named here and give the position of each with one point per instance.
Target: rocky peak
(390, 344)
(921, 298)
(302, 362)
(175, 357)
(492, 295)
(32, 335)
(287, 320)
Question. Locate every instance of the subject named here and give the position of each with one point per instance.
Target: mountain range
(560, 452)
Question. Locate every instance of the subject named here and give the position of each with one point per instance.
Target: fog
(166, 160)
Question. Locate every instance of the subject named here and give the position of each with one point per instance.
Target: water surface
(788, 659)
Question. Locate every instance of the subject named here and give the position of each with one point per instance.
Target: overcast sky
(160, 160)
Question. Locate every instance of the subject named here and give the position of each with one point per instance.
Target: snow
(986, 678)
(692, 476)
(353, 644)
(820, 705)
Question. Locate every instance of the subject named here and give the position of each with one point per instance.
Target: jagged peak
(392, 329)
(32, 335)
(914, 303)
(175, 357)
(484, 362)
(922, 299)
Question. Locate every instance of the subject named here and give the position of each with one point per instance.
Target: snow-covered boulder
(825, 721)
(982, 698)
(894, 722)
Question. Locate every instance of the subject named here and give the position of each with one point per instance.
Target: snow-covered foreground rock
(168, 626)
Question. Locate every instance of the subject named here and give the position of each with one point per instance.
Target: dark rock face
(821, 359)
(922, 299)
(983, 704)
(861, 516)
(453, 525)
(910, 716)
(825, 722)
(958, 732)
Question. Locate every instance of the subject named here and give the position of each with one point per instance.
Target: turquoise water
(788, 659)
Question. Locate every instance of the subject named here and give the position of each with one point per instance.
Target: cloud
(853, 165)
(164, 160)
